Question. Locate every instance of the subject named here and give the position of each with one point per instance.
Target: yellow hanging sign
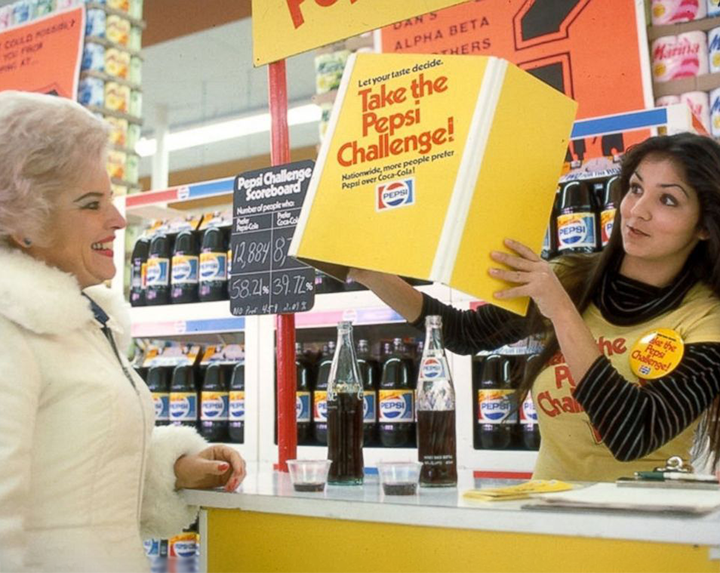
(656, 353)
(283, 28)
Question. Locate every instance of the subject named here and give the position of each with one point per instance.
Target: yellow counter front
(266, 526)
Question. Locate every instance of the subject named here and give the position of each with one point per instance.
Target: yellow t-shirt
(571, 449)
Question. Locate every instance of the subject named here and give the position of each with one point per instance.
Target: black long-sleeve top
(633, 420)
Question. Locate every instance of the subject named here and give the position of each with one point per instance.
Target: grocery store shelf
(184, 319)
(705, 24)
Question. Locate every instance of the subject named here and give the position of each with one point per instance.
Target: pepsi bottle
(158, 382)
(496, 415)
(185, 272)
(214, 404)
(183, 397)
(370, 375)
(158, 271)
(608, 207)
(437, 447)
(549, 246)
(236, 404)
(303, 396)
(397, 399)
(138, 271)
(320, 396)
(529, 430)
(576, 219)
(213, 265)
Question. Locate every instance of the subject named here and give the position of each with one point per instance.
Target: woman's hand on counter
(216, 466)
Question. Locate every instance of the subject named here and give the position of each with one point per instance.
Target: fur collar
(46, 300)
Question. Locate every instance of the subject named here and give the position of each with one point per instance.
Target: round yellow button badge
(656, 353)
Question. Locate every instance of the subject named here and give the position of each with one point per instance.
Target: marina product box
(429, 163)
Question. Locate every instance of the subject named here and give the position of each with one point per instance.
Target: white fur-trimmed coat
(82, 468)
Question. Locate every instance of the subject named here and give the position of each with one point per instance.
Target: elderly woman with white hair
(82, 469)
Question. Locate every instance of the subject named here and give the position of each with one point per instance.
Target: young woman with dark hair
(661, 270)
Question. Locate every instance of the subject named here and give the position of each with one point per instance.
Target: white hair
(46, 143)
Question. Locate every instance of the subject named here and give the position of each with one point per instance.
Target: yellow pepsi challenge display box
(429, 163)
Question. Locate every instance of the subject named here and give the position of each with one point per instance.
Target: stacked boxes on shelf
(110, 82)
(685, 54)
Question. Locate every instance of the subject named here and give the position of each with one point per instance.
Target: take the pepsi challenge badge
(302, 406)
(656, 353)
(397, 406)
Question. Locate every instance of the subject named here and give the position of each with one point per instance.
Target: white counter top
(271, 492)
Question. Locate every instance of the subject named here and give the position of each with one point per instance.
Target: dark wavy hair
(581, 275)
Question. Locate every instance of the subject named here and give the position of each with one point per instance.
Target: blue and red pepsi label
(236, 406)
(214, 406)
(400, 193)
(302, 406)
(496, 407)
(397, 406)
(528, 413)
(576, 230)
(320, 406)
(183, 407)
(161, 402)
(368, 407)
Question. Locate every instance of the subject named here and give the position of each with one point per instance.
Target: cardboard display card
(428, 164)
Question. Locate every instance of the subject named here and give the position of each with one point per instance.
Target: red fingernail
(223, 467)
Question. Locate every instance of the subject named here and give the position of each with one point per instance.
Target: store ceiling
(208, 76)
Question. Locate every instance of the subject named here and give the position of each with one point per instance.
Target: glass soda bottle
(370, 373)
(303, 395)
(184, 277)
(236, 404)
(158, 271)
(214, 404)
(345, 412)
(576, 219)
(213, 265)
(158, 381)
(437, 449)
(608, 207)
(320, 395)
(496, 415)
(138, 271)
(529, 430)
(396, 400)
(183, 397)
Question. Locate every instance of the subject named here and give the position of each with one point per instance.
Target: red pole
(285, 325)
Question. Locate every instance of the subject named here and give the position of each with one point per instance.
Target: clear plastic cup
(309, 475)
(399, 478)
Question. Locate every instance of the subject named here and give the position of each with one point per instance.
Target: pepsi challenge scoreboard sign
(266, 207)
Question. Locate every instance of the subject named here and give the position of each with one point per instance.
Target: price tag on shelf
(266, 209)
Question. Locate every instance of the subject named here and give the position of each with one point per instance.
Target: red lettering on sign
(296, 13)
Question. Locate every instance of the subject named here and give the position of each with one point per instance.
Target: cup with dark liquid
(399, 478)
(309, 475)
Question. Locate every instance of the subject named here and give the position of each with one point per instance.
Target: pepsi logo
(575, 230)
(395, 194)
(213, 408)
(393, 408)
(209, 268)
(185, 548)
(182, 271)
(159, 405)
(495, 410)
(432, 368)
(237, 409)
(298, 407)
(529, 414)
(321, 410)
(181, 408)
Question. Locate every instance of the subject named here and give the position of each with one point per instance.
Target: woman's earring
(27, 242)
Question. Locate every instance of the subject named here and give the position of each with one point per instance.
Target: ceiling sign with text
(283, 28)
(44, 55)
(590, 50)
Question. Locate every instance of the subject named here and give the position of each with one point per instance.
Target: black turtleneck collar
(625, 301)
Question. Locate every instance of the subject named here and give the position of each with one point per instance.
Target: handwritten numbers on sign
(263, 278)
